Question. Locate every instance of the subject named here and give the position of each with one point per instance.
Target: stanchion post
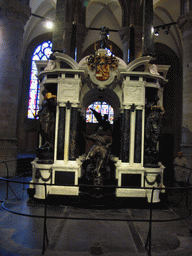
(187, 194)
(45, 238)
(148, 242)
(7, 180)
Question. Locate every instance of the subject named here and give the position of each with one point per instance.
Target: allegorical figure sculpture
(99, 153)
(153, 129)
(46, 116)
(152, 132)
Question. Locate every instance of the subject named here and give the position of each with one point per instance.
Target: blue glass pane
(37, 49)
(47, 52)
(100, 107)
(35, 57)
(44, 58)
(45, 45)
(42, 52)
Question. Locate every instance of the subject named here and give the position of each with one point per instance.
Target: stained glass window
(42, 52)
(101, 107)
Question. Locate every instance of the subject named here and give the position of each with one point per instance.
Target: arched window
(101, 107)
(42, 52)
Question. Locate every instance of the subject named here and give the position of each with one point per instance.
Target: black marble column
(125, 136)
(61, 134)
(73, 134)
(148, 29)
(121, 138)
(59, 27)
(81, 128)
(138, 137)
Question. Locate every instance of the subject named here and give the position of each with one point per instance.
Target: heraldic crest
(102, 63)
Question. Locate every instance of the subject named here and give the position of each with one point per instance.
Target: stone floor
(84, 228)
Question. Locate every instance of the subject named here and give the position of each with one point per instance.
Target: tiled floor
(91, 234)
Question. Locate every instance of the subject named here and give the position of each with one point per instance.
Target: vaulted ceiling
(111, 14)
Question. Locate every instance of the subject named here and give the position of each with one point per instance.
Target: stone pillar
(13, 17)
(74, 40)
(185, 6)
(131, 35)
(124, 35)
(148, 29)
(136, 21)
(60, 26)
(138, 41)
(132, 44)
(82, 31)
(70, 29)
(185, 24)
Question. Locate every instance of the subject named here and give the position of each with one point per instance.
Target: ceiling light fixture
(48, 22)
(165, 27)
(167, 30)
(156, 32)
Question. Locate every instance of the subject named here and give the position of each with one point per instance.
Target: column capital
(185, 22)
(15, 10)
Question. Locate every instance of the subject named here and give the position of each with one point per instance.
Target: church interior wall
(36, 27)
(35, 33)
(28, 128)
(171, 123)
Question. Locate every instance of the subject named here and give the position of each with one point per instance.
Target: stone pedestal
(185, 24)
(13, 16)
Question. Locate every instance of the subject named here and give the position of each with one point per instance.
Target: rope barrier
(45, 216)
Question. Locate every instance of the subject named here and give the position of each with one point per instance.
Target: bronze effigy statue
(47, 114)
(99, 153)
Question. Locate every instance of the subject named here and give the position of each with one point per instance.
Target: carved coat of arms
(102, 63)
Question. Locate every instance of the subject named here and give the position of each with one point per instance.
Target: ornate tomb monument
(126, 153)
(137, 98)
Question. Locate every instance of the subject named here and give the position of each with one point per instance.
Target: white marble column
(13, 16)
(185, 24)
